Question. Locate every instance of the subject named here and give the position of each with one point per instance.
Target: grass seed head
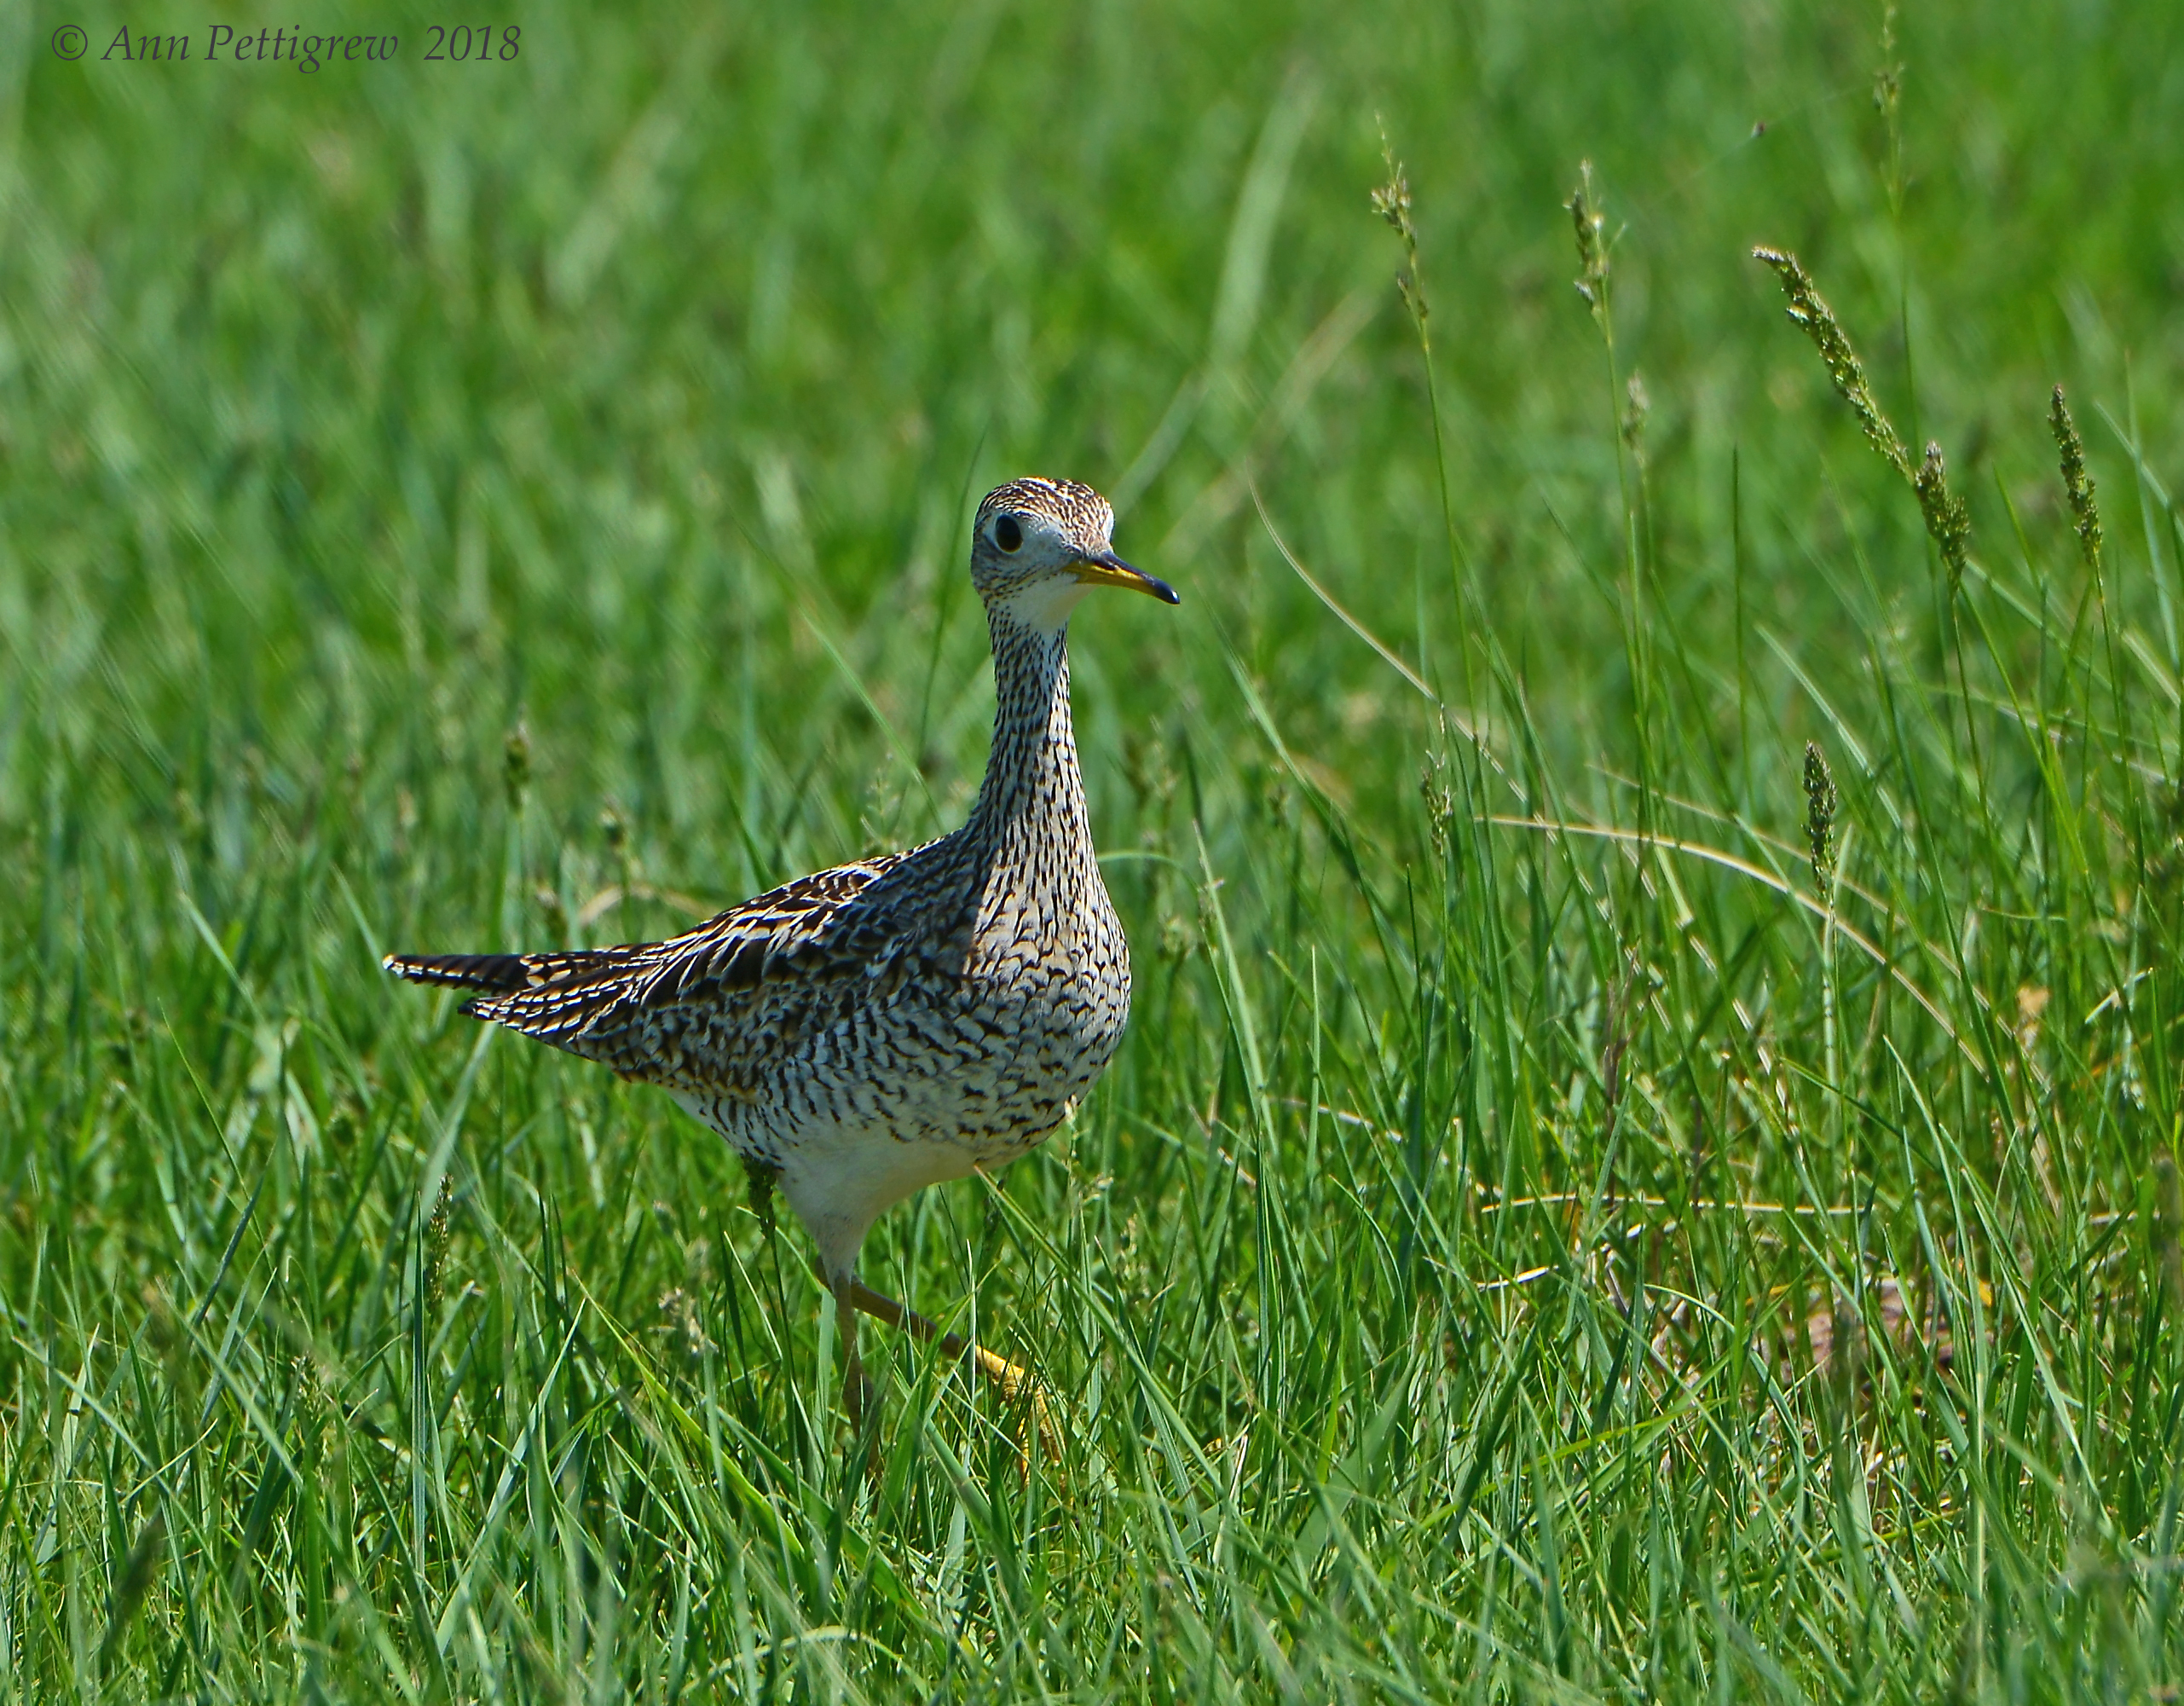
(1820, 801)
(681, 1320)
(1888, 75)
(1440, 800)
(2075, 481)
(1807, 311)
(761, 1176)
(516, 764)
(1392, 201)
(439, 1231)
(1946, 517)
(1591, 225)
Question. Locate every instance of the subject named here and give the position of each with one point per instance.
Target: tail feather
(492, 975)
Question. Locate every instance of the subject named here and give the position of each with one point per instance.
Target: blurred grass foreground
(1643, 1166)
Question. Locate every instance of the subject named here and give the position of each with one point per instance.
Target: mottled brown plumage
(897, 1021)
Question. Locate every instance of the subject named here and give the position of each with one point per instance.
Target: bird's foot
(1016, 1385)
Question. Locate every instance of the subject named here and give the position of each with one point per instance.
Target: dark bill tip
(1108, 570)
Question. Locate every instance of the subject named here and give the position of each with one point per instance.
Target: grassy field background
(493, 505)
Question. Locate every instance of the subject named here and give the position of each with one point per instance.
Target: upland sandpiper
(869, 1030)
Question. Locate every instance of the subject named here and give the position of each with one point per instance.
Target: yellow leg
(1012, 1381)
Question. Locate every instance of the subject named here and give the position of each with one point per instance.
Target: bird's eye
(1009, 533)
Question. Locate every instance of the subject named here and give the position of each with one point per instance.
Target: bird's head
(1039, 545)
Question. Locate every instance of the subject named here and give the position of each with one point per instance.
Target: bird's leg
(855, 1388)
(1005, 1374)
(1012, 1381)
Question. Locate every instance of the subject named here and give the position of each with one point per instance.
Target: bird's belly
(839, 1176)
(840, 1181)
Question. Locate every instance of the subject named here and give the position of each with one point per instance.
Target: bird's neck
(1034, 792)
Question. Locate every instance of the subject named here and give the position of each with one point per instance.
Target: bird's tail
(558, 998)
(487, 975)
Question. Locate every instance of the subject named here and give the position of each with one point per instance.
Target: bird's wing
(635, 1008)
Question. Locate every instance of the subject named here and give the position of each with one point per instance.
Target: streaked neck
(1032, 782)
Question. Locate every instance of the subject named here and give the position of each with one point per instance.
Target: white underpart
(841, 1184)
(1045, 605)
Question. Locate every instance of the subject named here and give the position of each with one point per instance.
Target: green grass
(1502, 1263)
